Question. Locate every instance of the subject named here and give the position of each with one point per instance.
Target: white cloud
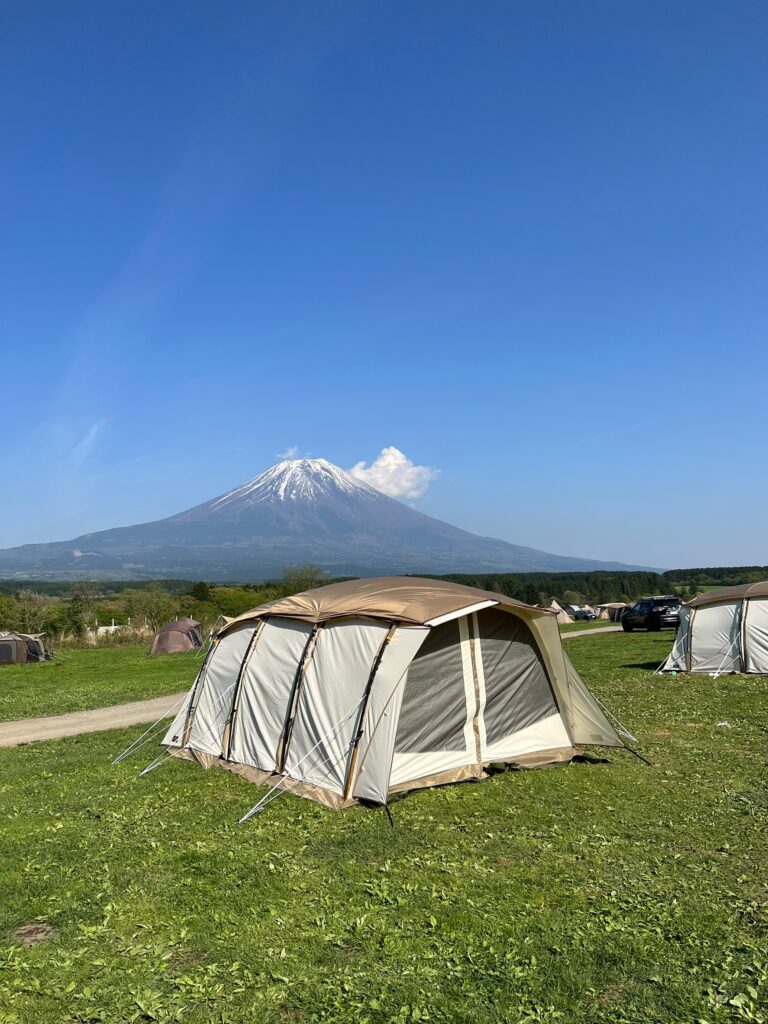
(289, 453)
(85, 445)
(394, 474)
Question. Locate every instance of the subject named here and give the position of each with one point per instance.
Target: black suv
(652, 613)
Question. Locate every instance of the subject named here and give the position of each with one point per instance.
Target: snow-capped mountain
(301, 510)
(294, 480)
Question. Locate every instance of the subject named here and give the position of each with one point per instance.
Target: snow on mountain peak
(294, 480)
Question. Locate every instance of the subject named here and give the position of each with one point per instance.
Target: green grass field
(598, 892)
(93, 677)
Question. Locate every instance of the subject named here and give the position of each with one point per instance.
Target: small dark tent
(20, 648)
(182, 635)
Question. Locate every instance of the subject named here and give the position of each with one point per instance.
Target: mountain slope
(301, 510)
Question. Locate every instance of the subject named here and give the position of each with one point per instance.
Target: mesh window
(7, 652)
(517, 689)
(434, 709)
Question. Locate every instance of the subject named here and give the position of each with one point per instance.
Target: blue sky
(522, 242)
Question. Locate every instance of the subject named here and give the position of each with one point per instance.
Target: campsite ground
(598, 892)
(92, 677)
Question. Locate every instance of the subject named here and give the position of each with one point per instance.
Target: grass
(596, 893)
(93, 677)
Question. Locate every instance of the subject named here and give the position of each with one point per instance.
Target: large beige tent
(723, 631)
(361, 689)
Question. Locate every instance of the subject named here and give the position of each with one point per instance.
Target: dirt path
(30, 730)
(591, 632)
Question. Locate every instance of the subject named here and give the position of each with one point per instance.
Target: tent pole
(226, 736)
(293, 700)
(364, 705)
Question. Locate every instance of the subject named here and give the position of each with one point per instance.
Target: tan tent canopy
(723, 631)
(174, 637)
(404, 598)
(357, 690)
(740, 593)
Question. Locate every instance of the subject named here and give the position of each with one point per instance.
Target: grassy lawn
(596, 892)
(92, 678)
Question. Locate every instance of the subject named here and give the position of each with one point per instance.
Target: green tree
(200, 591)
(152, 607)
(81, 610)
(303, 577)
(32, 610)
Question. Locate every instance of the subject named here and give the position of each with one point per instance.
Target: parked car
(578, 613)
(584, 613)
(653, 614)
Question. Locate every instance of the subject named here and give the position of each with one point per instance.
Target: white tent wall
(755, 635)
(214, 700)
(328, 702)
(714, 643)
(175, 735)
(371, 774)
(678, 656)
(265, 692)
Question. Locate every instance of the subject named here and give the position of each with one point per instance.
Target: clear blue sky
(523, 242)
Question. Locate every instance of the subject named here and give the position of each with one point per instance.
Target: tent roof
(730, 594)
(395, 598)
(179, 626)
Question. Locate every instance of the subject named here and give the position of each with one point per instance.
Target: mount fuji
(301, 510)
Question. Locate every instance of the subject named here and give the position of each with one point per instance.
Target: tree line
(74, 611)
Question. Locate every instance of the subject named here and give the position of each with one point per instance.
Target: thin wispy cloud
(393, 473)
(84, 446)
(289, 453)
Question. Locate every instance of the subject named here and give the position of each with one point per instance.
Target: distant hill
(301, 510)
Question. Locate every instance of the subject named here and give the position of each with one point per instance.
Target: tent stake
(389, 815)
